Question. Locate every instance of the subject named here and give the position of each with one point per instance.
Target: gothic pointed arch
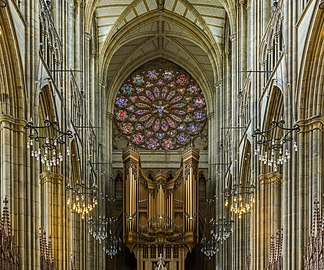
(12, 87)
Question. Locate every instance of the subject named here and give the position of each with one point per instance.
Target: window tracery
(273, 44)
(160, 106)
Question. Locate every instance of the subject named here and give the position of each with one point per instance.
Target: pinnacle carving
(314, 250)
(46, 251)
(9, 259)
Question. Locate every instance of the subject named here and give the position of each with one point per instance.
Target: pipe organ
(161, 213)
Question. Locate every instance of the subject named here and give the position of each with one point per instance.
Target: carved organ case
(161, 213)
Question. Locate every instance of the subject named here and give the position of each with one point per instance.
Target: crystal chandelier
(111, 242)
(222, 229)
(209, 244)
(209, 247)
(101, 228)
(82, 199)
(272, 144)
(112, 245)
(45, 141)
(240, 199)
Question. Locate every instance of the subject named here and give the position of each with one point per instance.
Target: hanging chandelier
(112, 245)
(209, 247)
(209, 244)
(209, 241)
(101, 228)
(222, 229)
(46, 143)
(240, 199)
(273, 144)
(82, 199)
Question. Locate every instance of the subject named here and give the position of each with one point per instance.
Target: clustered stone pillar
(269, 217)
(53, 209)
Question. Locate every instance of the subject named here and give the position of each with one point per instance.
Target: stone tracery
(160, 106)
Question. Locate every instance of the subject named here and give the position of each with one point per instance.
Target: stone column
(52, 203)
(269, 211)
(309, 180)
(20, 187)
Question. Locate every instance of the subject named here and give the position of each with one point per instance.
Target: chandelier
(240, 199)
(44, 142)
(272, 144)
(111, 241)
(209, 247)
(101, 228)
(210, 243)
(112, 245)
(222, 229)
(82, 199)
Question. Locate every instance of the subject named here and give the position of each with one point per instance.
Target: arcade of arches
(161, 134)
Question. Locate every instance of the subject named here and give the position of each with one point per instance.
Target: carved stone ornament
(9, 258)
(46, 252)
(314, 258)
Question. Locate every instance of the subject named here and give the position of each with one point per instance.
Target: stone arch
(274, 112)
(309, 113)
(245, 172)
(118, 185)
(310, 98)
(46, 111)
(12, 86)
(243, 224)
(75, 163)
(197, 36)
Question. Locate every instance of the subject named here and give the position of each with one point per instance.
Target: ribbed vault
(130, 33)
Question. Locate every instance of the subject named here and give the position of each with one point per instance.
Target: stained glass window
(160, 106)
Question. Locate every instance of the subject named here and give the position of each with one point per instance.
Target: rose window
(160, 106)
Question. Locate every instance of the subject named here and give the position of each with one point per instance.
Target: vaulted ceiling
(208, 15)
(187, 32)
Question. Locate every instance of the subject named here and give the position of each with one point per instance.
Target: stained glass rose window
(160, 106)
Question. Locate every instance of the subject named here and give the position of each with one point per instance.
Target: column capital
(102, 83)
(50, 177)
(218, 83)
(210, 115)
(6, 120)
(87, 36)
(80, 3)
(110, 115)
(233, 37)
(273, 177)
(311, 124)
(242, 2)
